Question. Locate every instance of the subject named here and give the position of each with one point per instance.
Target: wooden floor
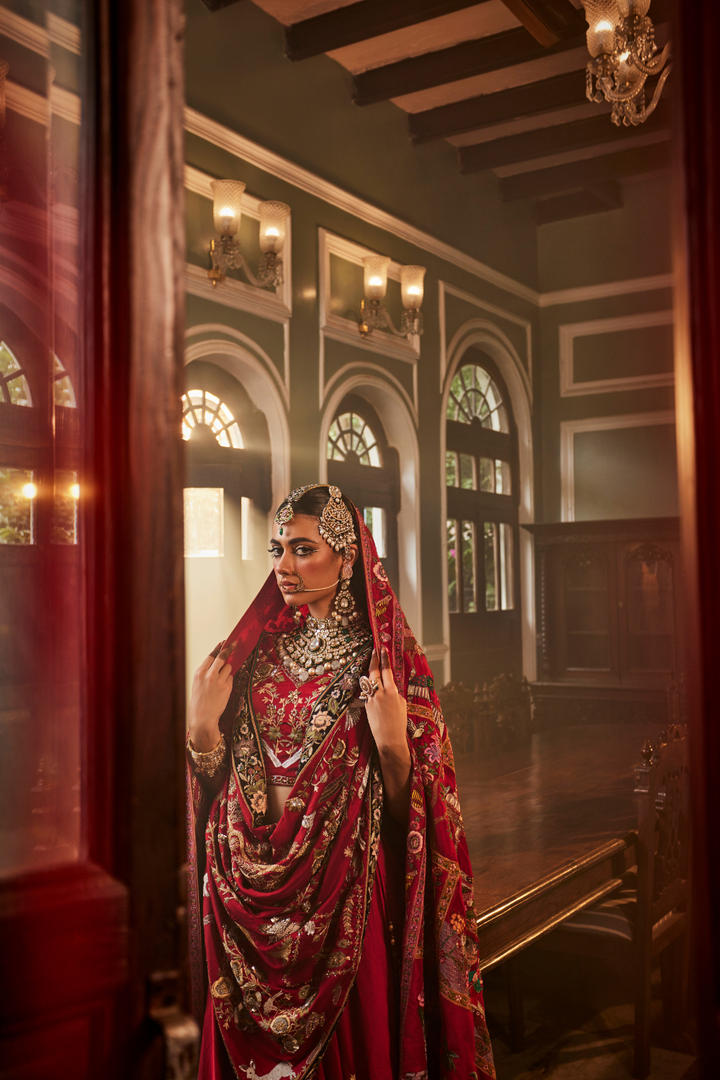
(530, 811)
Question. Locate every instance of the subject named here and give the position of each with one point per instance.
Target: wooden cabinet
(607, 616)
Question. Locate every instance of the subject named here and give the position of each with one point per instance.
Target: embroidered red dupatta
(285, 905)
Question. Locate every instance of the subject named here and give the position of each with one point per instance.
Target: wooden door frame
(697, 348)
(82, 940)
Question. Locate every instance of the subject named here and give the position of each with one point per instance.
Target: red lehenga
(326, 945)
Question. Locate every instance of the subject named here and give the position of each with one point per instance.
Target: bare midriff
(277, 796)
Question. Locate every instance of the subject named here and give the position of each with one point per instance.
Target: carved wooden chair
(648, 915)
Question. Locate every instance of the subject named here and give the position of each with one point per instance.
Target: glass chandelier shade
(227, 201)
(623, 56)
(602, 17)
(375, 272)
(633, 7)
(412, 286)
(273, 219)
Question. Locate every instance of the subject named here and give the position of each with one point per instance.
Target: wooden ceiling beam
(600, 198)
(362, 21)
(559, 92)
(542, 142)
(218, 5)
(549, 21)
(581, 174)
(478, 57)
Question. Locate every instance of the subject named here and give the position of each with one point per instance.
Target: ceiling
(502, 81)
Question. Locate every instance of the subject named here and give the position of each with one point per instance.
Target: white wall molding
(279, 307)
(225, 331)
(493, 341)
(38, 38)
(445, 289)
(345, 330)
(253, 368)
(383, 374)
(581, 293)
(63, 104)
(399, 427)
(485, 333)
(236, 294)
(219, 135)
(568, 334)
(570, 428)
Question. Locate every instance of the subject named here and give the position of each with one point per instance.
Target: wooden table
(547, 828)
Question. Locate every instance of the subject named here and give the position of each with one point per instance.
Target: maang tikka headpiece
(336, 522)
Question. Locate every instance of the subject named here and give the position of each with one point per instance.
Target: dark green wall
(236, 72)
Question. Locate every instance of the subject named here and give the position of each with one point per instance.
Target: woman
(335, 903)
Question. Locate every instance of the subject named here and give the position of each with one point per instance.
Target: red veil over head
(442, 1019)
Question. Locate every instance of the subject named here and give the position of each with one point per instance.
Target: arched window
(482, 521)
(366, 469)
(63, 390)
(474, 395)
(14, 389)
(203, 409)
(351, 435)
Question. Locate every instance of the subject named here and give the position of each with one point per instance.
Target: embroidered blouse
(282, 708)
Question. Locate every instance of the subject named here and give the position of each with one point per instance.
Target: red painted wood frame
(78, 942)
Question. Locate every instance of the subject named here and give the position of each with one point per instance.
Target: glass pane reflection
(42, 603)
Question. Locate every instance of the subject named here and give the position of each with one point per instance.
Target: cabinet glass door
(587, 637)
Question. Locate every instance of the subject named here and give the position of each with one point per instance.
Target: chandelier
(373, 313)
(621, 43)
(226, 252)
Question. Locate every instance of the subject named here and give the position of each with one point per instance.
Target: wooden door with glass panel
(481, 527)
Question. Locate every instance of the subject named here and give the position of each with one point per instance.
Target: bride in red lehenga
(331, 902)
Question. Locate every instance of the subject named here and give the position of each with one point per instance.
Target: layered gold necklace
(323, 646)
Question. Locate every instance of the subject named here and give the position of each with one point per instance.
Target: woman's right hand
(211, 689)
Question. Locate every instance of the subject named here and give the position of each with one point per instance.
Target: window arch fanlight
(201, 408)
(14, 388)
(351, 437)
(474, 395)
(63, 390)
(366, 468)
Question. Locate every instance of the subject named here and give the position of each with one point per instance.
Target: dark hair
(312, 503)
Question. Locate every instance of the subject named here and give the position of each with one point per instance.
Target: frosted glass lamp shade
(375, 269)
(273, 218)
(227, 199)
(411, 286)
(633, 7)
(602, 18)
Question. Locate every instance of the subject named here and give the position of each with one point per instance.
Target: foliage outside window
(65, 507)
(14, 389)
(63, 391)
(474, 395)
(351, 435)
(201, 408)
(17, 494)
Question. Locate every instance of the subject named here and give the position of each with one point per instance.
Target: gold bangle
(212, 761)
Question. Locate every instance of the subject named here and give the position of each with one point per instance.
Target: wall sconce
(373, 313)
(226, 253)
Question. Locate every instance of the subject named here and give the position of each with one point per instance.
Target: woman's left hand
(386, 709)
(387, 716)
